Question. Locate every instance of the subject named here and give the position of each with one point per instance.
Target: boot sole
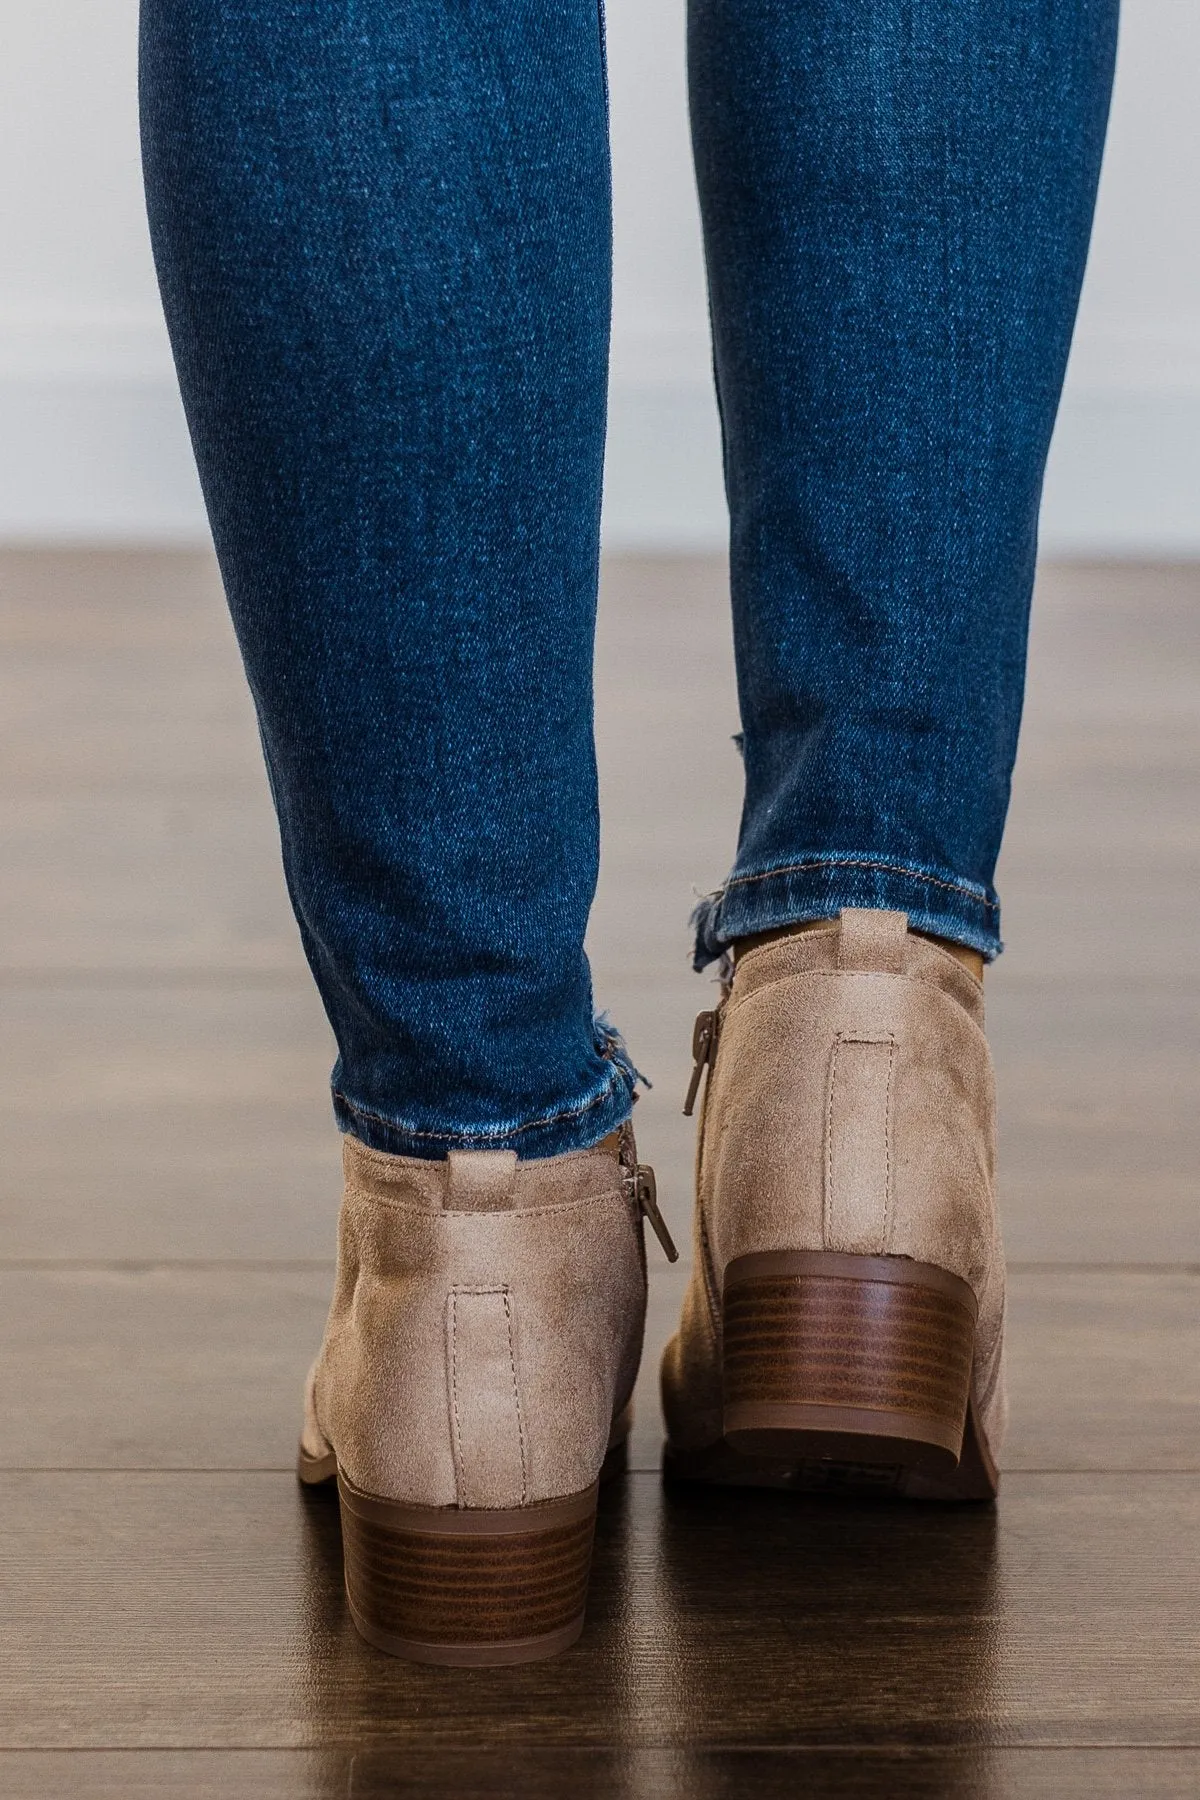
(468, 1587)
(847, 1373)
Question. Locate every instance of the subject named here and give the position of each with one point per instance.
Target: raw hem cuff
(817, 886)
(574, 1126)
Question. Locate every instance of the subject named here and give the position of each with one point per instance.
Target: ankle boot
(473, 1385)
(843, 1326)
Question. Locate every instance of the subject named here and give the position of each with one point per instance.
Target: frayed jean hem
(818, 885)
(576, 1125)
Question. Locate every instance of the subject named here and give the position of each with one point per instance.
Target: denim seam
(862, 862)
(489, 1131)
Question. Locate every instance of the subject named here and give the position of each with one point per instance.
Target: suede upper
(486, 1325)
(849, 1107)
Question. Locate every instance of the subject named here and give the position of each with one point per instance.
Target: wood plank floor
(172, 1621)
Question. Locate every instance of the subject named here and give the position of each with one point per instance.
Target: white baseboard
(90, 459)
(1124, 477)
(96, 460)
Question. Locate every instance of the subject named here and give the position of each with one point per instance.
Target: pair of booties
(842, 1326)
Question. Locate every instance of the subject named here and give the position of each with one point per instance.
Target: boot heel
(851, 1359)
(472, 1587)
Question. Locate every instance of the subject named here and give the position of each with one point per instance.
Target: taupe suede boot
(844, 1321)
(474, 1380)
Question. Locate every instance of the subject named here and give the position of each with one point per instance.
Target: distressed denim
(383, 242)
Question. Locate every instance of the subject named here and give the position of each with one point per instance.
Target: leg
(382, 235)
(897, 202)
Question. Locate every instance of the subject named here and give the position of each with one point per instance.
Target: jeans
(383, 241)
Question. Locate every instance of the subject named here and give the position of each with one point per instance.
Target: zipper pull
(704, 1040)
(646, 1191)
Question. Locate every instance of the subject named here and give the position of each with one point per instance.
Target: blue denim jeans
(382, 235)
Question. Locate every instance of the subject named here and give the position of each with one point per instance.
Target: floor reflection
(719, 1621)
(354, 1695)
(791, 1620)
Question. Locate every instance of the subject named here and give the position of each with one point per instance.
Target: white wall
(91, 439)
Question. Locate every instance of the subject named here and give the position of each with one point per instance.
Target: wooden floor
(172, 1621)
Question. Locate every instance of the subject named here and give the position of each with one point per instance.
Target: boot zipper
(645, 1190)
(704, 1044)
